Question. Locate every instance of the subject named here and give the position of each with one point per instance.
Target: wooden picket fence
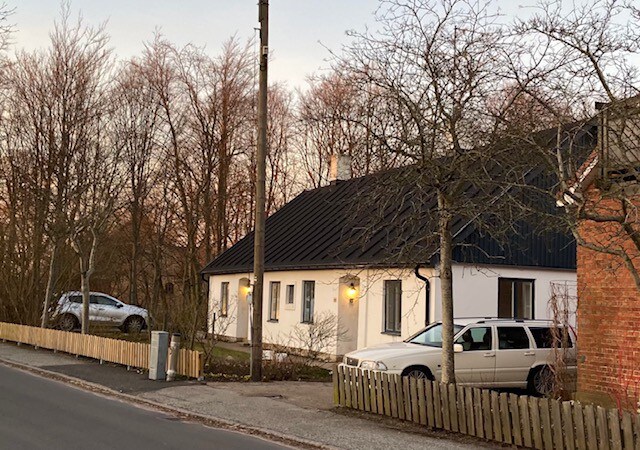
(132, 354)
(507, 418)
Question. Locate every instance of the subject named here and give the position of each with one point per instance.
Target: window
(106, 301)
(515, 298)
(224, 298)
(479, 338)
(290, 294)
(543, 337)
(75, 298)
(274, 300)
(392, 305)
(308, 296)
(512, 338)
(432, 336)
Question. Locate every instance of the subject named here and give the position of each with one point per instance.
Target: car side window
(544, 337)
(75, 298)
(106, 301)
(93, 299)
(478, 338)
(512, 338)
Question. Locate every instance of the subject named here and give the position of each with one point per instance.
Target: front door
(348, 310)
(243, 300)
(476, 364)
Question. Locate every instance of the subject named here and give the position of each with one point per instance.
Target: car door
(110, 310)
(72, 305)
(475, 365)
(95, 313)
(543, 337)
(514, 357)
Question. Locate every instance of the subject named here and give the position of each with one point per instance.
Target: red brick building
(608, 314)
(608, 265)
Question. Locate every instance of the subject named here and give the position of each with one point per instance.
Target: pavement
(299, 414)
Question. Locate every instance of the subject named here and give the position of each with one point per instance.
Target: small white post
(174, 351)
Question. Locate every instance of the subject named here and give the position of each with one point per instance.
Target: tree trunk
(133, 270)
(446, 287)
(84, 288)
(86, 270)
(51, 282)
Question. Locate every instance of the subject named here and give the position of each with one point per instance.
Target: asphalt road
(37, 413)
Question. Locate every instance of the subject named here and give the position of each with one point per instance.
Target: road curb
(214, 422)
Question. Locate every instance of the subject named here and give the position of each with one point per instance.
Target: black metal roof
(381, 220)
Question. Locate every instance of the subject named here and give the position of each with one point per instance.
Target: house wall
(475, 289)
(371, 313)
(361, 321)
(290, 316)
(608, 317)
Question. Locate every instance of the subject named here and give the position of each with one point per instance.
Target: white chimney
(340, 168)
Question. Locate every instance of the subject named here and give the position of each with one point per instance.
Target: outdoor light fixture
(351, 292)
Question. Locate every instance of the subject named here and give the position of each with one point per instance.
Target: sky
(300, 30)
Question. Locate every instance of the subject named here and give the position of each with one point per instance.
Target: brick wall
(608, 315)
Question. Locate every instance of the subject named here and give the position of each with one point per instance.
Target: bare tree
(437, 67)
(55, 97)
(583, 56)
(336, 115)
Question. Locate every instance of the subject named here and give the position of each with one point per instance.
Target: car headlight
(373, 365)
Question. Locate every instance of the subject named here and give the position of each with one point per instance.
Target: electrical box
(158, 355)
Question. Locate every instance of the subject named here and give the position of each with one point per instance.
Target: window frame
(224, 299)
(274, 313)
(290, 299)
(289, 294)
(308, 318)
(513, 282)
(396, 326)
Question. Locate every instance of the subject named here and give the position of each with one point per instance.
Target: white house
(324, 259)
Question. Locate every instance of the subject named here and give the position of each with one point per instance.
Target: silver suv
(488, 353)
(103, 309)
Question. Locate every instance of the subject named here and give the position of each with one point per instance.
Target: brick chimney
(340, 168)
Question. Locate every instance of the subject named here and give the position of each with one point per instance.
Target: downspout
(205, 278)
(427, 286)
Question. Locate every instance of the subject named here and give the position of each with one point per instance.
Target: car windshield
(432, 336)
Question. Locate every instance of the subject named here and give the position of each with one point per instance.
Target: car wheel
(68, 322)
(134, 324)
(542, 381)
(418, 373)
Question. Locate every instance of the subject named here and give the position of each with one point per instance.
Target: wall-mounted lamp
(351, 292)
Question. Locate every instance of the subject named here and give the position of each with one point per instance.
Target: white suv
(103, 309)
(488, 353)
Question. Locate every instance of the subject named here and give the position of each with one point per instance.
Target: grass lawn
(226, 364)
(222, 353)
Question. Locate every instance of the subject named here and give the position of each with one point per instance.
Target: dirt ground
(300, 393)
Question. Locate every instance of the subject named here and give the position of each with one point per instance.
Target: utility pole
(261, 155)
